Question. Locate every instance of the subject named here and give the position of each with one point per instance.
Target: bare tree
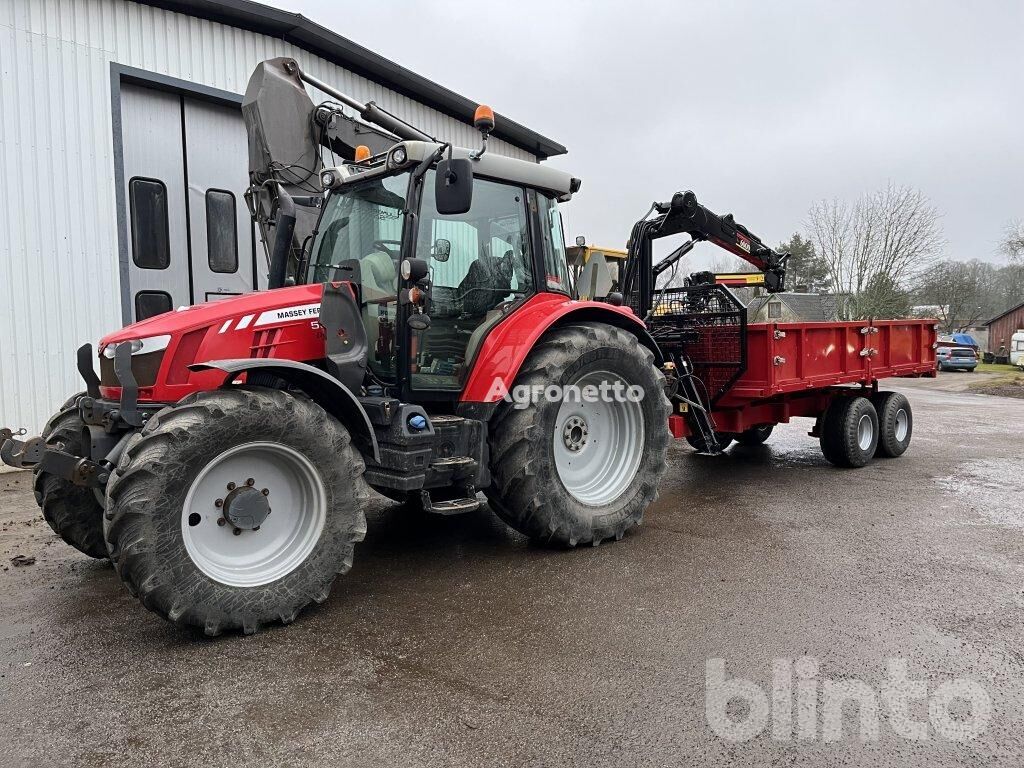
(1013, 242)
(893, 232)
(957, 290)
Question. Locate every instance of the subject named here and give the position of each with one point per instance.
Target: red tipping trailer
(737, 380)
(788, 370)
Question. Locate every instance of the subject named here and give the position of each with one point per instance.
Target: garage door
(190, 238)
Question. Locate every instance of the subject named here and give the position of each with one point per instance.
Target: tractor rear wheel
(568, 471)
(72, 511)
(236, 508)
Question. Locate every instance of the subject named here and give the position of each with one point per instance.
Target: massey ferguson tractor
(223, 454)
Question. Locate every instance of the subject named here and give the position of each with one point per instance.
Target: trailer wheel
(896, 423)
(849, 431)
(235, 508)
(755, 435)
(570, 472)
(73, 512)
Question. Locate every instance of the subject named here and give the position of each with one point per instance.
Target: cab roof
(491, 165)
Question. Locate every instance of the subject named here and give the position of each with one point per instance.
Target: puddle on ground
(992, 488)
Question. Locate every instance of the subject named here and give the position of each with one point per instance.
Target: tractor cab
(433, 280)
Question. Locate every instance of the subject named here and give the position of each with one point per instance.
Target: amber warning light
(483, 119)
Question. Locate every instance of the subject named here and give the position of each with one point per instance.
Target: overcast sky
(760, 108)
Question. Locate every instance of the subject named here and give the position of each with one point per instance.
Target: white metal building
(104, 101)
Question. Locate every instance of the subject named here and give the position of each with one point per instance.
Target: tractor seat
(486, 284)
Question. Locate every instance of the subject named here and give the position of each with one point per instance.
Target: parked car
(959, 340)
(956, 358)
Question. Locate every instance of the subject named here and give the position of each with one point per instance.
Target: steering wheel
(392, 252)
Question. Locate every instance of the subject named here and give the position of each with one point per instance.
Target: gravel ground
(455, 642)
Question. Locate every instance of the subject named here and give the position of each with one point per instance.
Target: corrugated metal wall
(58, 218)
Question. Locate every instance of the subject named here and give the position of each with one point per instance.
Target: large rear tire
(849, 431)
(895, 424)
(236, 508)
(72, 511)
(570, 472)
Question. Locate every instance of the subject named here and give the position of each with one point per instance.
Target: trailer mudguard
(333, 396)
(506, 347)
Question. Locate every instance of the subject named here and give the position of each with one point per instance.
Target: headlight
(399, 156)
(140, 346)
(328, 179)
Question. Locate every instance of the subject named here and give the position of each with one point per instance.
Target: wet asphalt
(456, 642)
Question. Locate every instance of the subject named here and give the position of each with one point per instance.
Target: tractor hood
(262, 306)
(281, 324)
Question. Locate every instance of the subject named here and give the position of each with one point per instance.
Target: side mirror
(453, 187)
(442, 249)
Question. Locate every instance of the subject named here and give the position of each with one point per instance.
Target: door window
(150, 303)
(487, 269)
(151, 241)
(221, 231)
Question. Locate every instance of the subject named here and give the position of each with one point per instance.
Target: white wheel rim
(598, 446)
(902, 425)
(297, 504)
(865, 432)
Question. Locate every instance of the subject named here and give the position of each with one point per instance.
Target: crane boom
(684, 215)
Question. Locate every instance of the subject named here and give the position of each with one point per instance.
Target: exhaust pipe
(283, 239)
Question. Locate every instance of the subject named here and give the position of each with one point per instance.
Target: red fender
(506, 347)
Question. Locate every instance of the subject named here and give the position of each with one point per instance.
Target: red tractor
(223, 454)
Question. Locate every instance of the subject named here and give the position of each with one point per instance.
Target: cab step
(457, 506)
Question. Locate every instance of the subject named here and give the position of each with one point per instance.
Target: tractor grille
(706, 325)
(144, 368)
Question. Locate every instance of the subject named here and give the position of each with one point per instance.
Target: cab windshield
(364, 223)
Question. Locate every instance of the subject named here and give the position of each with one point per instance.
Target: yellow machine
(578, 255)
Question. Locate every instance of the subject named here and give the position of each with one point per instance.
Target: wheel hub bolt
(574, 434)
(218, 503)
(265, 491)
(231, 486)
(237, 531)
(221, 521)
(250, 482)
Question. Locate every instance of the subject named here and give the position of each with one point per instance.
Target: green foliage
(806, 272)
(882, 299)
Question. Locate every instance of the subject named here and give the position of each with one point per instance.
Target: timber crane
(684, 215)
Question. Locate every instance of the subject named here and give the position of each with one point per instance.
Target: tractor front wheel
(72, 511)
(583, 464)
(236, 508)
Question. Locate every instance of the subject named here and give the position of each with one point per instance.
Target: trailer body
(796, 369)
